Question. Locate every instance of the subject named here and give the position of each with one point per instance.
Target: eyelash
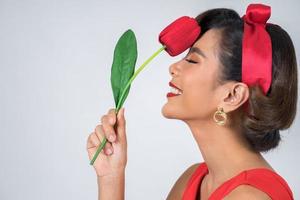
(191, 61)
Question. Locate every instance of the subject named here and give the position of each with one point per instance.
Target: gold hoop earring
(221, 114)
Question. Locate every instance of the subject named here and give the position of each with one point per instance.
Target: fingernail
(109, 151)
(111, 138)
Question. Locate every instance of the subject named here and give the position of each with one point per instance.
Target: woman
(231, 119)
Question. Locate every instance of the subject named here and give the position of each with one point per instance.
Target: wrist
(112, 176)
(111, 181)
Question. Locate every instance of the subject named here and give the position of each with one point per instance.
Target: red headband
(257, 47)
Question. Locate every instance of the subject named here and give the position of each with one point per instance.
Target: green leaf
(125, 56)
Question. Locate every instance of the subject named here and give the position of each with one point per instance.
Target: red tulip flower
(180, 35)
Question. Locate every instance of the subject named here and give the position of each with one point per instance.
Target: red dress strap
(190, 192)
(263, 179)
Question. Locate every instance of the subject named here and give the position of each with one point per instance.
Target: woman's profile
(235, 89)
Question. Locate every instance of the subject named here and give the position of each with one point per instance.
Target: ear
(237, 93)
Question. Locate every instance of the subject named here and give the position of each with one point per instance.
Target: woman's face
(196, 75)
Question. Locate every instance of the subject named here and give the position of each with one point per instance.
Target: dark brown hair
(267, 114)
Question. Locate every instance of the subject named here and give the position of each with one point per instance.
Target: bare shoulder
(178, 188)
(247, 192)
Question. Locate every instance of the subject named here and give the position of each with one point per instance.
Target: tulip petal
(180, 35)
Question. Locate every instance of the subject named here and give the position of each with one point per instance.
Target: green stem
(119, 105)
(136, 73)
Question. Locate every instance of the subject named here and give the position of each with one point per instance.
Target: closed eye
(191, 61)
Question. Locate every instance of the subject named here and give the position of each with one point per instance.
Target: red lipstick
(174, 86)
(170, 94)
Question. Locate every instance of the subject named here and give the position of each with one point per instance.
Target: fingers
(93, 141)
(108, 121)
(113, 128)
(100, 134)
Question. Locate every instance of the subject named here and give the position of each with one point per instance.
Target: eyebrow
(198, 51)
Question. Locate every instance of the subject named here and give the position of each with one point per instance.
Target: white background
(55, 61)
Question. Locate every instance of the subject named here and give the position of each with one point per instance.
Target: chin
(169, 112)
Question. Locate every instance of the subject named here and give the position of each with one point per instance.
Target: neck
(224, 151)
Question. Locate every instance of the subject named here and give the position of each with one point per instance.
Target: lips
(174, 86)
(177, 91)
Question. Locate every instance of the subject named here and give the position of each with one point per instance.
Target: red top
(261, 178)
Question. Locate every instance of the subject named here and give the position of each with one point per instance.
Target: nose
(174, 69)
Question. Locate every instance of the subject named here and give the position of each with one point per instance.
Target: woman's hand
(113, 158)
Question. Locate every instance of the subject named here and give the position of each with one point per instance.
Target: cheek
(199, 96)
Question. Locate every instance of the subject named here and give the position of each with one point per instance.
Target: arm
(111, 188)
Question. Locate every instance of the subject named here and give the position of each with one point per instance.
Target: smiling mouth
(174, 90)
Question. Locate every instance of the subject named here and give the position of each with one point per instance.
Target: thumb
(121, 125)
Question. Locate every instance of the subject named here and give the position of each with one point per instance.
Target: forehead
(208, 43)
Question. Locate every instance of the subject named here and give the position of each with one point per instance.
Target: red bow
(257, 47)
